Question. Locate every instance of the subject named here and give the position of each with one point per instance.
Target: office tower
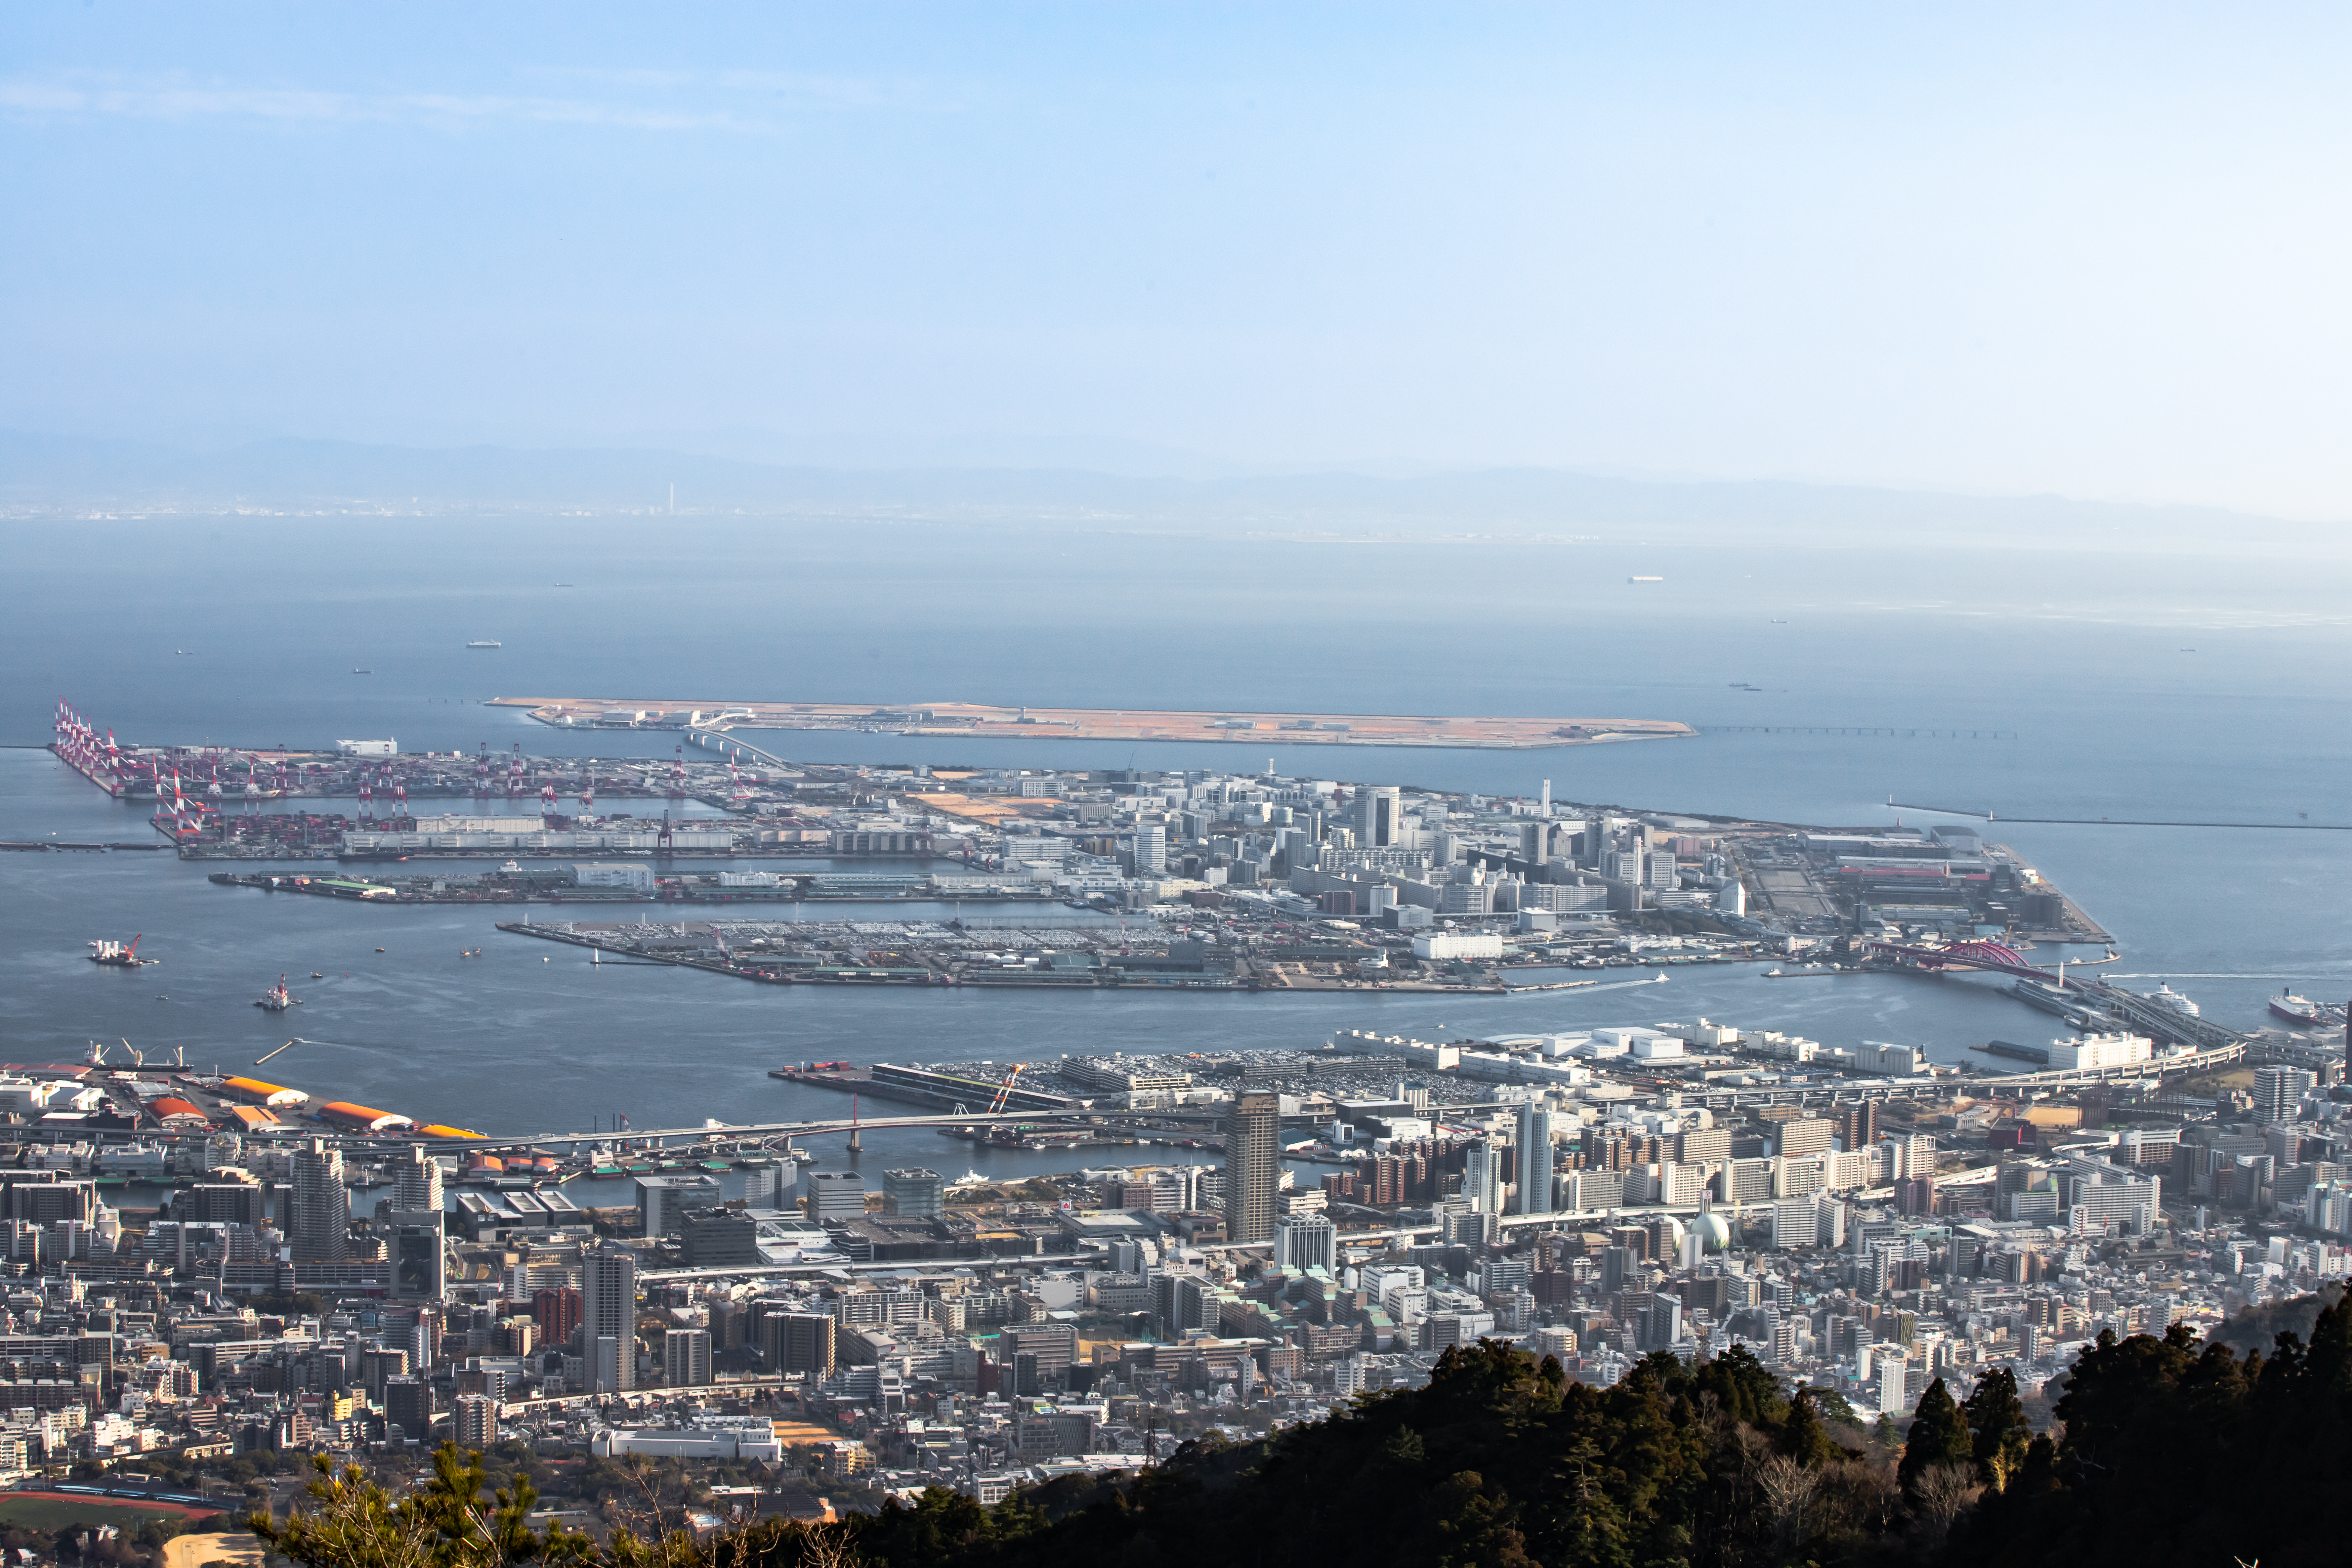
(913, 1194)
(686, 1357)
(1618, 1265)
(557, 1312)
(799, 1341)
(1482, 1179)
(1252, 1159)
(1535, 1160)
(225, 1203)
(318, 1225)
(608, 1319)
(764, 1184)
(2279, 1091)
(833, 1194)
(416, 1182)
(1150, 851)
(663, 1201)
(378, 1367)
(408, 1406)
(425, 1339)
(416, 1243)
(1304, 1241)
(476, 1423)
(1858, 1125)
(1661, 1324)
(1535, 842)
(1379, 811)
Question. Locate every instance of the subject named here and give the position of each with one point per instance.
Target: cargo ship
(275, 999)
(2296, 1010)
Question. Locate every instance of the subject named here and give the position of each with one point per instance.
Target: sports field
(49, 1512)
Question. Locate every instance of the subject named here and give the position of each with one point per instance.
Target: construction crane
(996, 1106)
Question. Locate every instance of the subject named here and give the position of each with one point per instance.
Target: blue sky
(2096, 251)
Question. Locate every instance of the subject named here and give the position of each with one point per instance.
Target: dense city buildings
(1237, 1239)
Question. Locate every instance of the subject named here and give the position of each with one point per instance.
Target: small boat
(605, 1173)
(316, 976)
(379, 950)
(486, 644)
(2299, 1011)
(358, 671)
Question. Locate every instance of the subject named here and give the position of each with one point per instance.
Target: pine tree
(1939, 1435)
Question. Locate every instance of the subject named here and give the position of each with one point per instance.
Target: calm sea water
(2083, 663)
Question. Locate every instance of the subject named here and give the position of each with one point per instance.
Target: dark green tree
(1938, 1436)
(1998, 1431)
(1801, 1436)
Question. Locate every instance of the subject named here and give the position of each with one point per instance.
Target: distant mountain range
(53, 473)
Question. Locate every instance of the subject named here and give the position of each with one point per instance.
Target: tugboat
(114, 955)
(2299, 1011)
(275, 999)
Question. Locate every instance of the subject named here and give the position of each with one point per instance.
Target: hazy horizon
(2020, 252)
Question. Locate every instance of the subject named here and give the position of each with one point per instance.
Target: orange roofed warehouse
(262, 1093)
(343, 1113)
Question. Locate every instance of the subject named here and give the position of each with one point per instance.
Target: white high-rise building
(2279, 1091)
(416, 1182)
(1535, 1160)
(1304, 1241)
(319, 1225)
(608, 1318)
(1150, 851)
(1894, 1382)
(1482, 1179)
(686, 1357)
(1379, 817)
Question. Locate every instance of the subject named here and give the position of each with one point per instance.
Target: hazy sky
(2096, 251)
